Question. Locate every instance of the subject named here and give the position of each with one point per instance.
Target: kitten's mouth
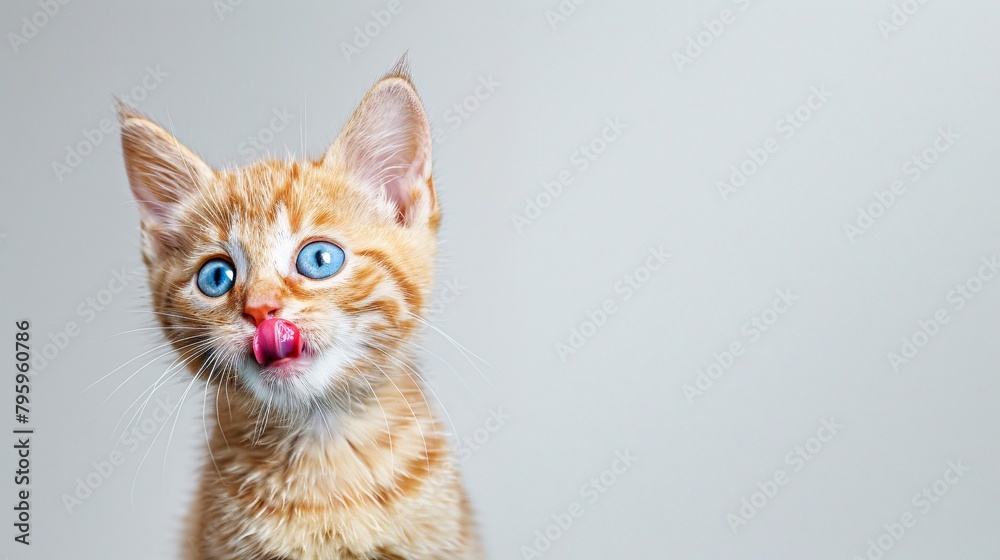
(278, 348)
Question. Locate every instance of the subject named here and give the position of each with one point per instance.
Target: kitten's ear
(161, 172)
(386, 146)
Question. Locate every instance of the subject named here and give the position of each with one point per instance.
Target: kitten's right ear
(161, 172)
(386, 148)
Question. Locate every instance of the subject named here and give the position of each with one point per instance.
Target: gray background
(521, 292)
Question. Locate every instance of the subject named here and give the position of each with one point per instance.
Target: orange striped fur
(345, 460)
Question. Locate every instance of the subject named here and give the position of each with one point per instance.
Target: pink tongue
(276, 339)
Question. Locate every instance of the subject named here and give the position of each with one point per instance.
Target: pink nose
(260, 309)
(276, 339)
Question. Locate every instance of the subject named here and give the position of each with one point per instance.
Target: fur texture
(344, 459)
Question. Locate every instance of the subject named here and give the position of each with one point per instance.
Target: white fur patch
(282, 243)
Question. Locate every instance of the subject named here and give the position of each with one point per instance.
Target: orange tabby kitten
(295, 289)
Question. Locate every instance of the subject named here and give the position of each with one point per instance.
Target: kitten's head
(332, 259)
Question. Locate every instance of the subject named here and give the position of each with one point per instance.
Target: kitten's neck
(390, 404)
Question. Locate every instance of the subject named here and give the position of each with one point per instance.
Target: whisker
(462, 349)
(136, 372)
(421, 387)
(218, 391)
(178, 369)
(196, 320)
(208, 443)
(169, 327)
(375, 335)
(392, 457)
(412, 413)
(88, 387)
(156, 437)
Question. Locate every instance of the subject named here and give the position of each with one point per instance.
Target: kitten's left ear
(386, 146)
(161, 171)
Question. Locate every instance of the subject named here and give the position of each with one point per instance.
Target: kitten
(295, 290)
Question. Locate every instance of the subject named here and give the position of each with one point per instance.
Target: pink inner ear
(387, 146)
(399, 186)
(161, 171)
(400, 196)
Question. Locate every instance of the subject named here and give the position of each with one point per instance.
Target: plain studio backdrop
(717, 279)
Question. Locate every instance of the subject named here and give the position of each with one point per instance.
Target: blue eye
(216, 277)
(319, 259)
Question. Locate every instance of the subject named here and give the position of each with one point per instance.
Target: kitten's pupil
(219, 272)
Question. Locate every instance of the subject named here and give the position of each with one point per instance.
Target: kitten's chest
(337, 497)
(308, 510)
